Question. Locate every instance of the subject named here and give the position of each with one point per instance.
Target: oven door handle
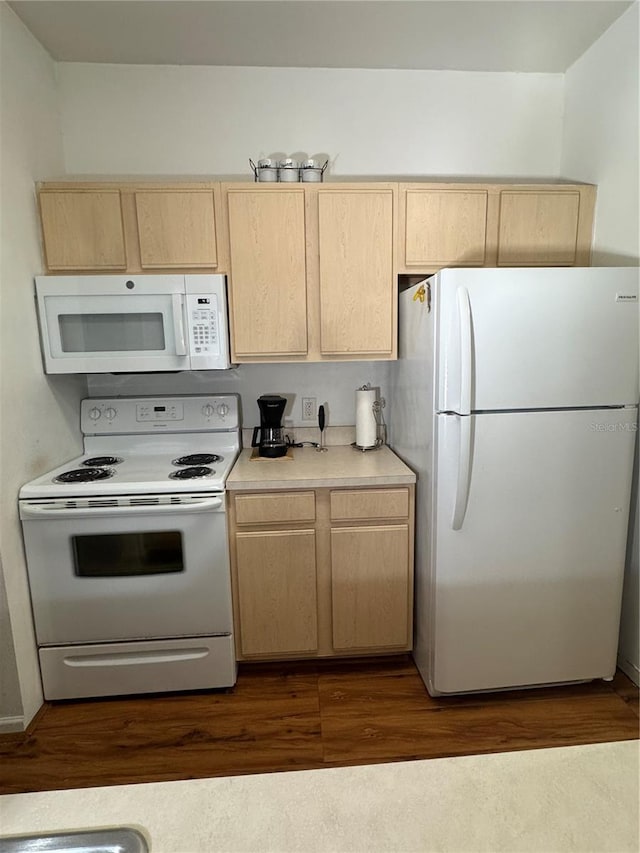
(39, 511)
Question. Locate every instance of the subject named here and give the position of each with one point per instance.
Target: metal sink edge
(117, 840)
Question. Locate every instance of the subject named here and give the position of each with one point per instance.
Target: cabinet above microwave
(133, 323)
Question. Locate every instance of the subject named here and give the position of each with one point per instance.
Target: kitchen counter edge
(341, 466)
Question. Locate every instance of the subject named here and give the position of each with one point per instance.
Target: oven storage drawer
(157, 666)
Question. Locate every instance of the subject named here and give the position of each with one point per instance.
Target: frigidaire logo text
(621, 427)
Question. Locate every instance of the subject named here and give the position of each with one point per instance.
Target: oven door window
(128, 554)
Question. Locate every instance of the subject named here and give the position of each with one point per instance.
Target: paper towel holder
(381, 428)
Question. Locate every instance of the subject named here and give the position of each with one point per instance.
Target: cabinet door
(277, 597)
(538, 228)
(268, 272)
(176, 228)
(370, 578)
(83, 230)
(444, 227)
(357, 282)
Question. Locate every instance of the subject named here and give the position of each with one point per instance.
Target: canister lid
(267, 164)
(288, 163)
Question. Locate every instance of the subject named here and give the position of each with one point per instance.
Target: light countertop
(307, 468)
(564, 800)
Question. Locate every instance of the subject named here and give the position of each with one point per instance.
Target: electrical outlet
(309, 409)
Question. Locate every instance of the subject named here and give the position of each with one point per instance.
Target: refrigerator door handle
(464, 323)
(463, 479)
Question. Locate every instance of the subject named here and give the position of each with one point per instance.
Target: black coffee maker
(271, 443)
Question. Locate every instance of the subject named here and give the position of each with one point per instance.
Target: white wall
(600, 137)
(602, 146)
(38, 417)
(197, 120)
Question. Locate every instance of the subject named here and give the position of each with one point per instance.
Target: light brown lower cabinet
(322, 572)
(370, 586)
(277, 591)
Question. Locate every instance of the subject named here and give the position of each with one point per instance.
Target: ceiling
(465, 35)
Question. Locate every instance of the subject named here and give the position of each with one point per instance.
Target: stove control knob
(223, 410)
(110, 413)
(94, 413)
(208, 411)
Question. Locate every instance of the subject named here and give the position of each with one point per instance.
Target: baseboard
(11, 724)
(629, 669)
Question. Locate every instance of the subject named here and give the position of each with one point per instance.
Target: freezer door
(531, 514)
(536, 338)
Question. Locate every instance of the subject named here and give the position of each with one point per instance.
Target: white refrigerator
(515, 401)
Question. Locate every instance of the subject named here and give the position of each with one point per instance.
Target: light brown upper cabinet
(132, 227)
(444, 227)
(268, 293)
(176, 228)
(545, 227)
(83, 229)
(313, 267)
(357, 277)
(312, 273)
(488, 225)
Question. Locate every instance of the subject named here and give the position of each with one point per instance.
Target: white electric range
(127, 550)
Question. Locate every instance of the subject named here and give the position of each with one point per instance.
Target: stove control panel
(158, 411)
(124, 415)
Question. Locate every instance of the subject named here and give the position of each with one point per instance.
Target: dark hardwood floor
(301, 716)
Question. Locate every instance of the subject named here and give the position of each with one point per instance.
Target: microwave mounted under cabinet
(133, 323)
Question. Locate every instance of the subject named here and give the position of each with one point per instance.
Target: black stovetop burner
(84, 475)
(99, 461)
(197, 459)
(191, 473)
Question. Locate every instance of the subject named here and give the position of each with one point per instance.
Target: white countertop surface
(578, 799)
(307, 468)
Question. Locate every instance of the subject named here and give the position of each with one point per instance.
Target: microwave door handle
(178, 323)
(35, 511)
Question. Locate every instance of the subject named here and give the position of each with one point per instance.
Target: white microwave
(133, 323)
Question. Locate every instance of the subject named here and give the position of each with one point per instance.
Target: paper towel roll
(366, 429)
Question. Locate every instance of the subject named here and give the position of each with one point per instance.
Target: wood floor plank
(300, 715)
(265, 724)
(625, 688)
(371, 720)
(401, 678)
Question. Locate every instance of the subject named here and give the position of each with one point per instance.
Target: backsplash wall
(332, 384)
